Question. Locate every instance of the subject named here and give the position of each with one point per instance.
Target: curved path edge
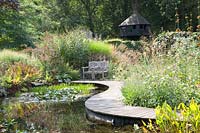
(108, 106)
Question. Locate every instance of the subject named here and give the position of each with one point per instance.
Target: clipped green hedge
(135, 45)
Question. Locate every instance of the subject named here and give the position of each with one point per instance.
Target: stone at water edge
(3, 92)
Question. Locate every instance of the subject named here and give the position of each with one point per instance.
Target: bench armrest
(84, 68)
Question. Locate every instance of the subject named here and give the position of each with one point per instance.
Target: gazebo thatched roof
(14, 4)
(135, 19)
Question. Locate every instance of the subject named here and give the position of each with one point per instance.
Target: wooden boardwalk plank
(108, 106)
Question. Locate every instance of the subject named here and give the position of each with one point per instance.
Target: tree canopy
(31, 19)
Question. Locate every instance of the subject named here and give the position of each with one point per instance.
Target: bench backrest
(98, 65)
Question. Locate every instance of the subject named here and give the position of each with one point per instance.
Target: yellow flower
(178, 20)
(178, 30)
(176, 15)
(198, 85)
(198, 37)
(198, 26)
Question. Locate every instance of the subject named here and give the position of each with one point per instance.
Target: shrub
(73, 49)
(53, 62)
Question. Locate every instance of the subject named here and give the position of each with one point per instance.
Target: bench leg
(93, 76)
(103, 75)
(83, 76)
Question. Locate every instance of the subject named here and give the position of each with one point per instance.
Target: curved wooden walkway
(108, 106)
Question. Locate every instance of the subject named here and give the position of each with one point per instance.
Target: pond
(54, 117)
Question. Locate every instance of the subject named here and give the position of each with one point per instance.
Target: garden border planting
(108, 106)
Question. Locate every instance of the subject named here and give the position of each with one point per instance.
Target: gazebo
(135, 26)
(14, 4)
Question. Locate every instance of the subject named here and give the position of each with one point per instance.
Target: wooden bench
(95, 67)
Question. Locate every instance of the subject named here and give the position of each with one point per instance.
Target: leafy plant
(18, 68)
(84, 89)
(184, 119)
(18, 74)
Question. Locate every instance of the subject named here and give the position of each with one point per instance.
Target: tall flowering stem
(190, 28)
(177, 21)
(198, 18)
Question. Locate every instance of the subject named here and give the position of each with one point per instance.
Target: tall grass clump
(171, 76)
(73, 48)
(99, 47)
(9, 57)
(99, 50)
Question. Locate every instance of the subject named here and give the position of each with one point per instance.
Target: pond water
(62, 118)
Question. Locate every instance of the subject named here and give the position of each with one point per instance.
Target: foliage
(61, 92)
(172, 77)
(55, 66)
(8, 125)
(84, 89)
(20, 73)
(18, 28)
(98, 47)
(98, 50)
(134, 45)
(10, 4)
(13, 115)
(164, 41)
(24, 26)
(66, 94)
(18, 68)
(58, 117)
(114, 41)
(10, 57)
(184, 119)
(69, 51)
(72, 48)
(122, 60)
(29, 117)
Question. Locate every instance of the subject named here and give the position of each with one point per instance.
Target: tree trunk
(91, 24)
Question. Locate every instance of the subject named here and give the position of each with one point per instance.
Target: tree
(91, 7)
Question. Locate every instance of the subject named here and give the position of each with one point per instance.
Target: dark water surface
(65, 118)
